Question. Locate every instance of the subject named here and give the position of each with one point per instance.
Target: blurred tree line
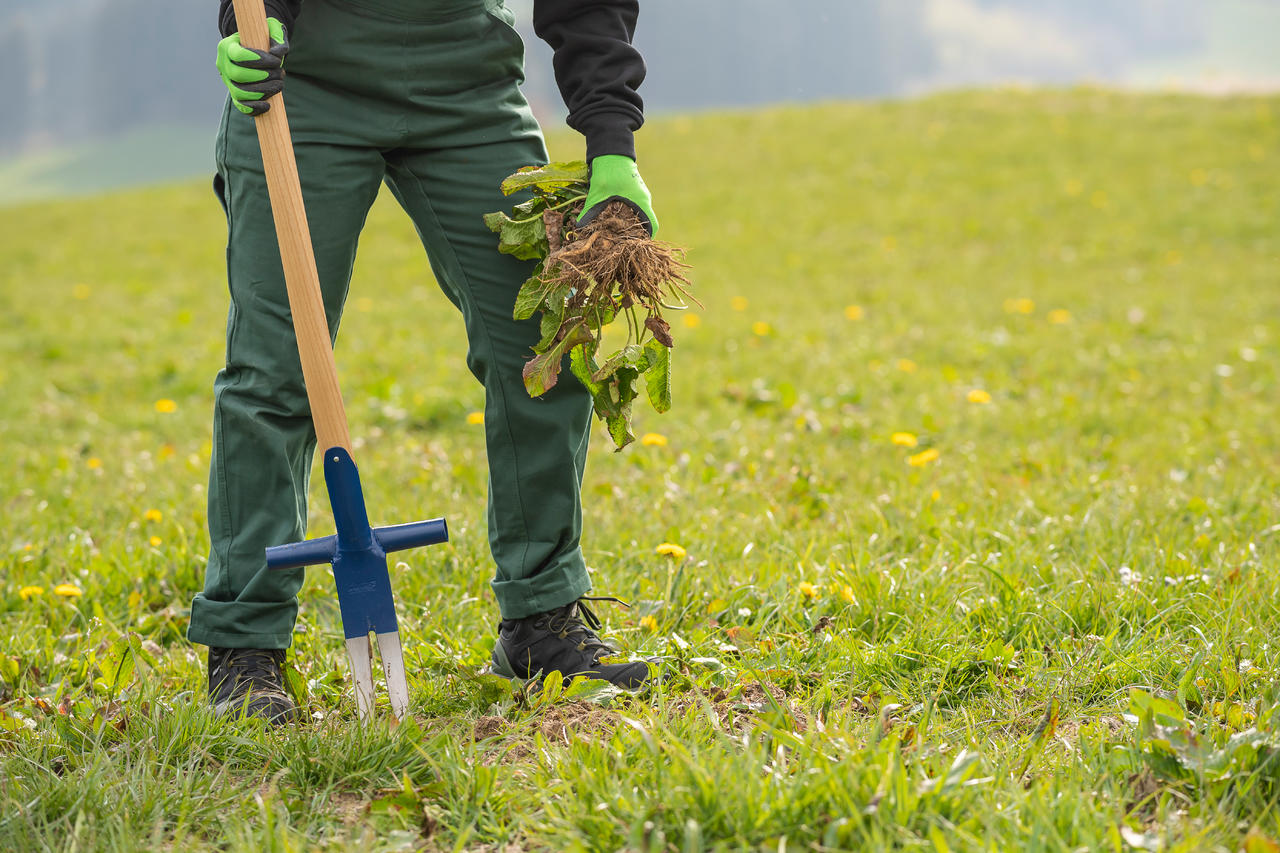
(76, 70)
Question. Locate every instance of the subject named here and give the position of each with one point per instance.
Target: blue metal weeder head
(358, 554)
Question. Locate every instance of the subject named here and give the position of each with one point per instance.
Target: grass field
(972, 466)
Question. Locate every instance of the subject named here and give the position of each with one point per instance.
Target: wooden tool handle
(301, 279)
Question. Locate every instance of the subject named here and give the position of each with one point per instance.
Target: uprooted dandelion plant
(588, 277)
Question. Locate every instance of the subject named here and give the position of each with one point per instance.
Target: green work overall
(421, 94)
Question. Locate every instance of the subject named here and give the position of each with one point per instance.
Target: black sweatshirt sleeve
(285, 11)
(597, 68)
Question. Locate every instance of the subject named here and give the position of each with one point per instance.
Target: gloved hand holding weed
(588, 275)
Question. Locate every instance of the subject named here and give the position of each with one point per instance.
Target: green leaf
(620, 427)
(116, 665)
(9, 669)
(525, 239)
(525, 209)
(582, 363)
(657, 375)
(628, 356)
(549, 177)
(550, 327)
(543, 370)
(529, 299)
(621, 391)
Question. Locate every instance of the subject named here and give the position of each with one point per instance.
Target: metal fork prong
(393, 667)
(361, 655)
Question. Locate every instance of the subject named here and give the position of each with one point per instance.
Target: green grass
(1060, 634)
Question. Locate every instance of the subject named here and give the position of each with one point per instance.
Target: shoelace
(253, 665)
(577, 618)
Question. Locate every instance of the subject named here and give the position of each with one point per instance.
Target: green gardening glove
(252, 75)
(614, 177)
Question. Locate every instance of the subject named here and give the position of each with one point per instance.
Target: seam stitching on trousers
(225, 554)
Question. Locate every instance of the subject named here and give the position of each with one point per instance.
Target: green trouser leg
(425, 95)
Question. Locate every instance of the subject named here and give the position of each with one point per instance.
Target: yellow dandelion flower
(1073, 187)
(166, 406)
(94, 462)
(977, 395)
(904, 439)
(1099, 200)
(671, 549)
(475, 418)
(1173, 257)
(906, 365)
(1021, 305)
(923, 458)
(649, 624)
(889, 243)
(846, 594)
(29, 592)
(935, 495)
(808, 590)
(653, 439)
(67, 590)
(1059, 316)
(80, 291)
(853, 312)
(760, 328)
(167, 451)
(738, 303)
(1198, 177)
(153, 515)
(155, 541)
(692, 321)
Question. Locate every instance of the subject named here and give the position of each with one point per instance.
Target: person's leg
(462, 139)
(536, 447)
(263, 439)
(469, 128)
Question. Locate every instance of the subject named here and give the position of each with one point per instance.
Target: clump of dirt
(562, 723)
(487, 727)
(611, 261)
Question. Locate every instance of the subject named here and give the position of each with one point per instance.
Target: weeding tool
(357, 552)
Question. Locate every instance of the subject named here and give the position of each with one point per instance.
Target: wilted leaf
(661, 330)
(543, 370)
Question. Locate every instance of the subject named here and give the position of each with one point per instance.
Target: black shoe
(249, 683)
(563, 640)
